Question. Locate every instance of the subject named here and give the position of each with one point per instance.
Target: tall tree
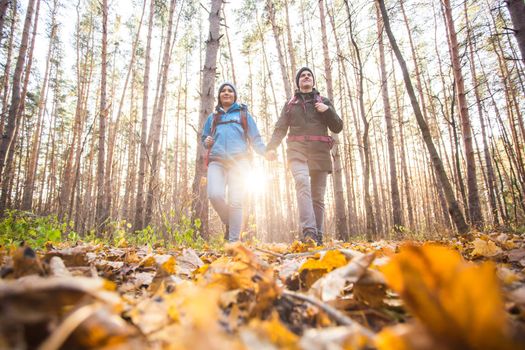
(200, 202)
(139, 205)
(270, 7)
(340, 208)
(157, 118)
(517, 16)
(102, 211)
(13, 116)
(397, 215)
(473, 195)
(29, 185)
(4, 5)
(453, 206)
(365, 159)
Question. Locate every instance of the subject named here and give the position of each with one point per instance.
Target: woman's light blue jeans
(230, 175)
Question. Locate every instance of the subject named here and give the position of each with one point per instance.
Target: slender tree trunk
(200, 202)
(234, 78)
(517, 16)
(102, 211)
(397, 215)
(371, 229)
(17, 117)
(276, 32)
(157, 116)
(453, 206)
(139, 204)
(291, 51)
(29, 185)
(4, 5)
(13, 116)
(7, 69)
(340, 210)
(473, 195)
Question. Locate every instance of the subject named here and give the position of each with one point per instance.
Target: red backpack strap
(319, 98)
(289, 104)
(244, 120)
(216, 119)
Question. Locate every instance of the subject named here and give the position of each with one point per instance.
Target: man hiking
(306, 119)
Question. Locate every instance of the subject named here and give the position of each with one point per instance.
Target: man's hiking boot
(310, 236)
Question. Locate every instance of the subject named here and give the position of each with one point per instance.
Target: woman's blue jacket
(230, 141)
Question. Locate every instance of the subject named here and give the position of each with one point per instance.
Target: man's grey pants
(310, 189)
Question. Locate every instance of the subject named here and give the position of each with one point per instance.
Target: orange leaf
(456, 301)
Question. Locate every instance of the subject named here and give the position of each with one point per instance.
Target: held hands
(321, 107)
(271, 155)
(208, 141)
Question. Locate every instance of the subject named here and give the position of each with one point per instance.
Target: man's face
(306, 81)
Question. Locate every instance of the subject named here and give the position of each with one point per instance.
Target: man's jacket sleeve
(280, 130)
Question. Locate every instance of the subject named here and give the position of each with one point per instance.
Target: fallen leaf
(484, 248)
(329, 287)
(456, 301)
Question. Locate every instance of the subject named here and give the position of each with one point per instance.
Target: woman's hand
(271, 155)
(208, 141)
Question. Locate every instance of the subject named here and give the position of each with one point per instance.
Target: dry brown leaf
(330, 286)
(26, 262)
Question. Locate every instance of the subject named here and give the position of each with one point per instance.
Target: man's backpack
(295, 100)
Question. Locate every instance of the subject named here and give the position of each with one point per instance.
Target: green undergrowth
(36, 231)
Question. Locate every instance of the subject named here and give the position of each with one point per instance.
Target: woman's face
(227, 96)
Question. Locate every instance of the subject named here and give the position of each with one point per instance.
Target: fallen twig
(332, 312)
(269, 252)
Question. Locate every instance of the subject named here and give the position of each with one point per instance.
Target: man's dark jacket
(302, 118)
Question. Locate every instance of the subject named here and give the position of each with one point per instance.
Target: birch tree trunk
(200, 202)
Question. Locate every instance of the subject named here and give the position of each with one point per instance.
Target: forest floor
(462, 294)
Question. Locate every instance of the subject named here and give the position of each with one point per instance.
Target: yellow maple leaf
(485, 248)
(315, 268)
(455, 300)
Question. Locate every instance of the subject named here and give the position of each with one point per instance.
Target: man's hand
(321, 107)
(271, 155)
(208, 141)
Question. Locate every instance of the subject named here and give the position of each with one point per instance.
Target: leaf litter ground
(380, 295)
